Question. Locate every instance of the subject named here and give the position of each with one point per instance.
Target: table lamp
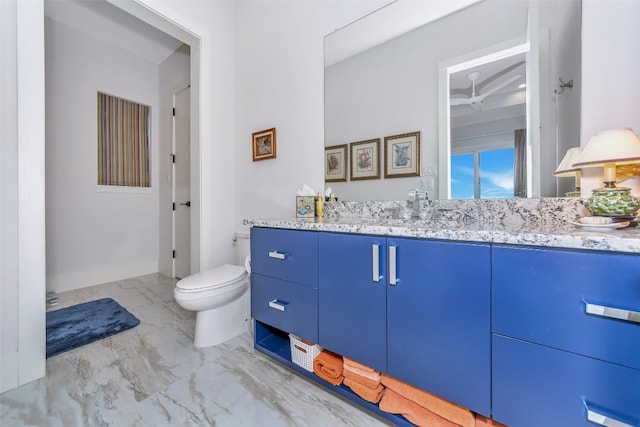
(608, 149)
(566, 168)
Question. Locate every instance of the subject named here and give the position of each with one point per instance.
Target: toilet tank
(243, 247)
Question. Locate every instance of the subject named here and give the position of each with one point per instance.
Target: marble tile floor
(152, 375)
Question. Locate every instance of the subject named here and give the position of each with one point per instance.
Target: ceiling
(110, 24)
(504, 79)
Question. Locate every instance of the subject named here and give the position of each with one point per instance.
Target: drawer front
(538, 386)
(287, 306)
(569, 300)
(285, 254)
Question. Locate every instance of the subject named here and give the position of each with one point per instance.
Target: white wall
(173, 77)
(94, 237)
(280, 83)
(22, 242)
(611, 87)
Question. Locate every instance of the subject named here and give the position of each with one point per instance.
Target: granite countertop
(553, 234)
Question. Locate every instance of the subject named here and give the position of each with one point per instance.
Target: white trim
(173, 185)
(82, 279)
(123, 189)
(31, 191)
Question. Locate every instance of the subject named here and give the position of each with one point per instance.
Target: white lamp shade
(566, 168)
(619, 146)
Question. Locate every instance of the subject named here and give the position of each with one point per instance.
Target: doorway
(181, 155)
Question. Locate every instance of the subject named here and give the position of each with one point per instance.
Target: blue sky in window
(496, 175)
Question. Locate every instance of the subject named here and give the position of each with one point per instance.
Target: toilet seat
(215, 278)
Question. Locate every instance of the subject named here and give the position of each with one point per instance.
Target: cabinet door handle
(375, 255)
(278, 305)
(277, 255)
(604, 420)
(612, 312)
(393, 277)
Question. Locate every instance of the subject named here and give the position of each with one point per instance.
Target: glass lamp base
(614, 201)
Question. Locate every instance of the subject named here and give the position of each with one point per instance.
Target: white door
(181, 184)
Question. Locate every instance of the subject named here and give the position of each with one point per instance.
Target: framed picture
(402, 155)
(264, 144)
(365, 159)
(335, 163)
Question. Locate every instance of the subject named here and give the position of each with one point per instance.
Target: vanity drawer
(285, 305)
(285, 254)
(569, 300)
(537, 386)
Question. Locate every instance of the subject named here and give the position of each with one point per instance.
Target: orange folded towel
(487, 422)
(445, 409)
(328, 366)
(372, 375)
(368, 394)
(352, 363)
(393, 403)
(369, 383)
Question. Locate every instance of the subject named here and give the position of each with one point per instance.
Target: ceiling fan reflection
(475, 100)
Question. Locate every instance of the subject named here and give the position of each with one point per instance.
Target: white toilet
(220, 296)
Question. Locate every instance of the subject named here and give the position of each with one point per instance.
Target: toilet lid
(214, 278)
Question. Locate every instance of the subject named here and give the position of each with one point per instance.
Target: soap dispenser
(320, 205)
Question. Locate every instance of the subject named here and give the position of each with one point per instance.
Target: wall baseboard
(84, 279)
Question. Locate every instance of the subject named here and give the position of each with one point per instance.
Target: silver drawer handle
(375, 257)
(603, 420)
(277, 255)
(278, 305)
(614, 313)
(393, 274)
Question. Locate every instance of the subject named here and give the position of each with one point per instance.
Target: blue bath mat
(82, 324)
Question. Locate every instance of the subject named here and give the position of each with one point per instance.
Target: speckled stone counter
(534, 222)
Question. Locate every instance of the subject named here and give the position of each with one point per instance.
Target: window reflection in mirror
(487, 108)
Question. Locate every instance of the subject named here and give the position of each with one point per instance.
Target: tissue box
(305, 206)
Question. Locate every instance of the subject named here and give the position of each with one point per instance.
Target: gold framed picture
(365, 160)
(264, 144)
(335, 163)
(402, 155)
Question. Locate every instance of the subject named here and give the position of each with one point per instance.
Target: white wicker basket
(302, 354)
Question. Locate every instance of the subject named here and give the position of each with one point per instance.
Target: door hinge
(173, 254)
(174, 111)
(173, 206)
(173, 158)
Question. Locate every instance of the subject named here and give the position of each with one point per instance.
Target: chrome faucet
(413, 201)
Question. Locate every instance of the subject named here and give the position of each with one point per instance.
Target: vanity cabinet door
(583, 302)
(439, 330)
(535, 385)
(352, 308)
(290, 255)
(288, 306)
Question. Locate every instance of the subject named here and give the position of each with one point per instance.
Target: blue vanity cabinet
(284, 280)
(439, 321)
(566, 337)
(416, 309)
(352, 297)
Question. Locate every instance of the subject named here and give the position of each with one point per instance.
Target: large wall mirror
(480, 84)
